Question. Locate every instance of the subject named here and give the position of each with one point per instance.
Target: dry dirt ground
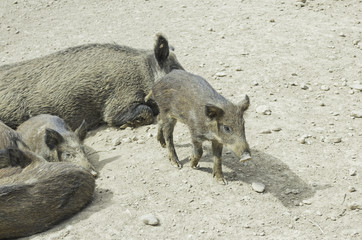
(303, 63)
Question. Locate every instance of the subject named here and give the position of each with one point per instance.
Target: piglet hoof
(176, 163)
(197, 167)
(194, 165)
(220, 179)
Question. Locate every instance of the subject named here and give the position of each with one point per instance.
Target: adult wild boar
(95, 82)
(50, 137)
(36, 194)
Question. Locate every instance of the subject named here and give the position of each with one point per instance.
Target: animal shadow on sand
(278, 178)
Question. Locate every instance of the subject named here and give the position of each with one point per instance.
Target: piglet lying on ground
(36, 194)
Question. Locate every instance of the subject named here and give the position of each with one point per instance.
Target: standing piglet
(100, 83)
(190, 99)
(50, 137)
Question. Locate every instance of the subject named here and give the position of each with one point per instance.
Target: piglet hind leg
(217, 169)
(168, 127)
(197, 153)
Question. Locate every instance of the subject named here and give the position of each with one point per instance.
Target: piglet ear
(13, 157)
(81, 131)
(244, 104)
(161, 49)
(213, 112)
(52, 138)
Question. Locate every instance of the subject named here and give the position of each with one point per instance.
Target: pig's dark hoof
(176, 163)
(195, 167)
(220, 179)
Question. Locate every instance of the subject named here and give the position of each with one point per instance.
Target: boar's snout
(88, 166)
(246, 156)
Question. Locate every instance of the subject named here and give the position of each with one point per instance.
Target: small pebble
(357, 114)
(319, 213)
(357, 87)
(127, 140)
(266, 131)
(277, 129)
(238, 69)
(150, 219)
(325, 88)
(355, 206)
(306, 202)
(302, 139)
(258, 187)
(264, 110)
(116, 141)
(303, 86)
(333, 140)
(220, 74)
(352, 172)
(351, 189)
(356, 41)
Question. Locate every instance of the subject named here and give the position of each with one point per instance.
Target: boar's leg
(160, 136)
(133, 117)
(217, 170)
(196, 155)
(168, 126)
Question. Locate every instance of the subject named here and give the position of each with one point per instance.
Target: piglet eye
(227, 129)
(66, 155)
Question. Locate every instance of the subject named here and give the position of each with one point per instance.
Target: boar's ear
(81, 131)
(161, 49)
(213, 112)
(13, 157)
(4, 159)
(244, 104)
(52, 138)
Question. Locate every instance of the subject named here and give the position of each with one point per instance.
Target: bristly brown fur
(98, 83)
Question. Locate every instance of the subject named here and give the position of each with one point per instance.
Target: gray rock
(258, 187)
(150, 219)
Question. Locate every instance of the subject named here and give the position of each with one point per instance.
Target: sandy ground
(303, 63)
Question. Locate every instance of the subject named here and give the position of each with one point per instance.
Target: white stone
(258, 187)
(150, 219)
(357, 114)
(220, 74)
(263, 109)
